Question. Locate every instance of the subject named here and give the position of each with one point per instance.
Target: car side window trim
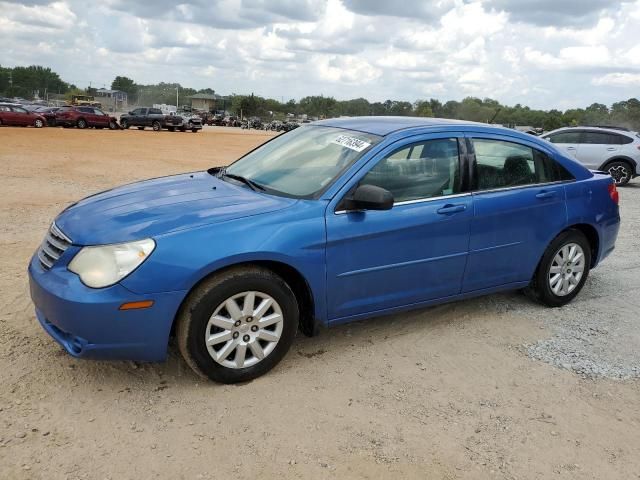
(473, 163)
(463, 166)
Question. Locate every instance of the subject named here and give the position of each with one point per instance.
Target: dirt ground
(447, 392)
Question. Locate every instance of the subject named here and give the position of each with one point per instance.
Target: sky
(542, 53)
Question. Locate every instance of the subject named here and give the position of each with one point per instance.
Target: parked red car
(16, 115)
(84, 117)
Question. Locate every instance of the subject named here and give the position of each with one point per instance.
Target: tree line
(37, 80)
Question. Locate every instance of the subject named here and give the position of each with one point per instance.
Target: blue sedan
(332, 222)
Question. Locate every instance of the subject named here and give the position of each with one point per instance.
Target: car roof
(615, 130)
(385, 125)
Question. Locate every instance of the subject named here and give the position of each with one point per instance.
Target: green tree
(125, 84)
(422, 108)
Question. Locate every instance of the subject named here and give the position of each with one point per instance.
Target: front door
(567, 141)
(415, 252)
(519, 204)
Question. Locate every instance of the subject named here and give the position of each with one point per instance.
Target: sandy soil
(446, 392)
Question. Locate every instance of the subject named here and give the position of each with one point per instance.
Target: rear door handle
(449, 209)
(546, 194)
(571, 148)
(611, 149)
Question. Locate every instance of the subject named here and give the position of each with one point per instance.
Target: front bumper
(87, 322)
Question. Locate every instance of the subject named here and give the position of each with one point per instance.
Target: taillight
(613, 193)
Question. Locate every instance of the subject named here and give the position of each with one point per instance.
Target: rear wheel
(171, 129)
(194, 130)
(563, 270)
(620, 171)
(156, 126)
(140, 128)
(82, 123)
(237, 325)
(124, 124)
(113, 125)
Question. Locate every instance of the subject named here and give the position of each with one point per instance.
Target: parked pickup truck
(154, 118)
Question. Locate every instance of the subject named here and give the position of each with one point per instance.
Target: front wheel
(156, 126)
(563, 270)
(124, 124)
(38, 123)
(237, 325)
(140, 128)
(194, 130)
(621, 172)
(113, 125)
(82, 123)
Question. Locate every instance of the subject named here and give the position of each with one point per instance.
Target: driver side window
(418, 171)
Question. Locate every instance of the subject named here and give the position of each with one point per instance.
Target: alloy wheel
(620, 174)
(244, 329)
(566, 269)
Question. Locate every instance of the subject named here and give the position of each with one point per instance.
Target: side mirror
(130, 113)
(369, 197)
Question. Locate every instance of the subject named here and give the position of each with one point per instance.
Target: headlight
(105, 265)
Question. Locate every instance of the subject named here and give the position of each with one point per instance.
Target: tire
(171, 129)
(113, 125)
(82, 124)
(553, 291)
(124, 124)
(621, 172)
(242, 336)
(156, 126)
(140, 128)
(194, 130)
(38, 123)
(183, 129)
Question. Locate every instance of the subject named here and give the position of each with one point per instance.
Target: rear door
(597, 147)
(567, 141)
(6, 115)
(519, 203)
(377, 260)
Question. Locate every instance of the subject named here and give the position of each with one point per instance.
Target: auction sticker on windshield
(352, 143)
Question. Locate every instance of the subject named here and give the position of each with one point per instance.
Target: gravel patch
(598, 334)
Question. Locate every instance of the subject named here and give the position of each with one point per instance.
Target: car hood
(163, 205)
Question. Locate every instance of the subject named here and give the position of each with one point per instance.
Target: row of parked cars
(92, 117)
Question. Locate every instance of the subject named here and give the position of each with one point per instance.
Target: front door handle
(448, 209)
(571, 148)
(546, 194)
(611, 149)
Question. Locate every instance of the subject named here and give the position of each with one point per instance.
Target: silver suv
(613, 150)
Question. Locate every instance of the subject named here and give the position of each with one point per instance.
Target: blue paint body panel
(356, 265)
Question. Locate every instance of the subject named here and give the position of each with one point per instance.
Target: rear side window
(86, 109)
(418, 171)
(501, 164)
(565, 137)
(600, 138)
(155, 111)
(4, 108)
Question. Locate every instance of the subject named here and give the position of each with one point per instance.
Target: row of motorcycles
(275, 125)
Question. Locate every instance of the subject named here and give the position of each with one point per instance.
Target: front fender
(295, 237)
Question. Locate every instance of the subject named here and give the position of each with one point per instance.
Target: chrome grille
(53, 246)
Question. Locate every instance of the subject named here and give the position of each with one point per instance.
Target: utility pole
(177, 107)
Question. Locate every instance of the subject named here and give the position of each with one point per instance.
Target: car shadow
(333, 342)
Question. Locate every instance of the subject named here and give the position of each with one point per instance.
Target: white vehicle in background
(615, 150)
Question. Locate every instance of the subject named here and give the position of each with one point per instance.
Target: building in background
(209, 102)
(112, 100)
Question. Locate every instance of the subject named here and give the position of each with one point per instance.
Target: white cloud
(618, 79)
(514, 51)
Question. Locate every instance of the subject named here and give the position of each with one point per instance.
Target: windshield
(305, 161)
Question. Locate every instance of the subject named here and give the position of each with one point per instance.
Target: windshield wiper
(252, 185)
